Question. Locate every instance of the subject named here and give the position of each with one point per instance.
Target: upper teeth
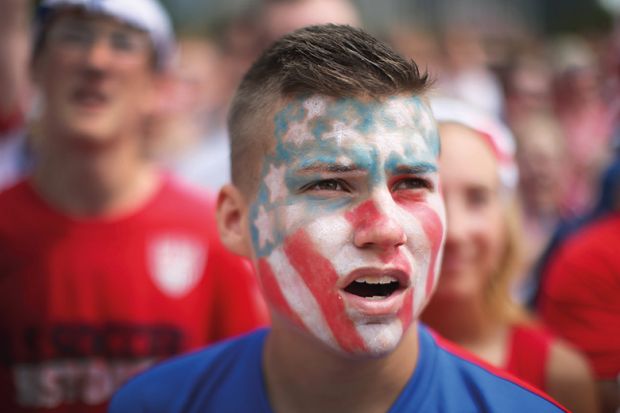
(386, 279)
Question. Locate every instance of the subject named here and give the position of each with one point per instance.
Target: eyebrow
(417, 169)
(329, 167)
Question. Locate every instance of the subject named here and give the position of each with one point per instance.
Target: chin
(380, 339)
(92, 134)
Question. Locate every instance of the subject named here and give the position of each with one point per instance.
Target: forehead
(77, 19)
(79, 14)
(308, 125)
(466, 157)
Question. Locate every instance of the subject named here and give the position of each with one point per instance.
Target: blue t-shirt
(228, 378)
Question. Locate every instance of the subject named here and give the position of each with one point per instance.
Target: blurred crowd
(558, 98)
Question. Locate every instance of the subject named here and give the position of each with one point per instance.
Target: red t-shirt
(84, 304)
(580, 299)
(528, 354)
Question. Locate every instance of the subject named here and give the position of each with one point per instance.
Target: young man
(106, 266)
(336, 199)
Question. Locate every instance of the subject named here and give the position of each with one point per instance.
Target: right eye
(478, 198)
(335, 185)
(74, 36)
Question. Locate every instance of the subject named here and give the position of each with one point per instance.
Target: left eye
(412, 183)
(326, 185)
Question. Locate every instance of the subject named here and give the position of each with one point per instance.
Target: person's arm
(569, 379)
(14, 54)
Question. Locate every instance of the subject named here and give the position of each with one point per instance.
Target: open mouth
(89, 97)
(373, 288)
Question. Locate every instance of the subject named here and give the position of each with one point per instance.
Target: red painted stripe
(406, 314)
(320, 277)
(364, 215)
(274, 293)
(433, 228)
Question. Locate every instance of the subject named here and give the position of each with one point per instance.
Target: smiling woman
(472, 305)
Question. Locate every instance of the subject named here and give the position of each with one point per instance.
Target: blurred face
(475, 231)
(284, 17)
(348, 222)
(542, 168)
(95, 76)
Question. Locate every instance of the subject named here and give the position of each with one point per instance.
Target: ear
(232, 221)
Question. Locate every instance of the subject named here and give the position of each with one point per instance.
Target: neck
(469, 324)
(94, 180)
(303, 375)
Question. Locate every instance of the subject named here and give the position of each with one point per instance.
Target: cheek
(496, 238)
(491, 228)
(299, 282)
(432, 221)
(431, 216)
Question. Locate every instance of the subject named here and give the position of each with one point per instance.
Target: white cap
(147, 15)
(499, 136)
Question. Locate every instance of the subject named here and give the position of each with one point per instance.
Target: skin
(475, 239)
(471, 189)
(96, 94)
(14, 48)
(346, 193)
(280, 18)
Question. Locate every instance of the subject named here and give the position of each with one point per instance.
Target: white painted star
(315, 107)
(263, 224)
(427, 122)
(340, 131)
(418, 144)
(275, 183)
(402, 116)
(298, 133)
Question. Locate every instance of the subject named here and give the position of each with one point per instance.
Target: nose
(98, 54)
(376, 224)
(456, 221)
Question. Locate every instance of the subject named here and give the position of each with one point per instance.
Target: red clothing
(528, 354)
(580, 298)
(84, 304)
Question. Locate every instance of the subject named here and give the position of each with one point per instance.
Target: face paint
(348, 224)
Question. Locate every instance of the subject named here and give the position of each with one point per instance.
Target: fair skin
(473, 243)
(14, 55)
(476, 236)
(97, 85)
(344, 231)
(280, 18)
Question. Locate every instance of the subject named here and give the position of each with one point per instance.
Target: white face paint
(348, 225)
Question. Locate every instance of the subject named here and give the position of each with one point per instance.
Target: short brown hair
(329, 60)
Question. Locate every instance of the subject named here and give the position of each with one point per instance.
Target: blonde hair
(498, 298)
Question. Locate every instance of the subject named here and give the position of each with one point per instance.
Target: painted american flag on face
(348, 225)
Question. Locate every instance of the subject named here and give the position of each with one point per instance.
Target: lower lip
(375, 307)
(88, 102)
(90, 105)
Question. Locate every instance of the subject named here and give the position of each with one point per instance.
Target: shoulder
(569, 378)
(586, 267)
(174, 190)
(477, 386)
(177, 206)
(195, 382)
(18, 207)
(14, 192)
(599, 237)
